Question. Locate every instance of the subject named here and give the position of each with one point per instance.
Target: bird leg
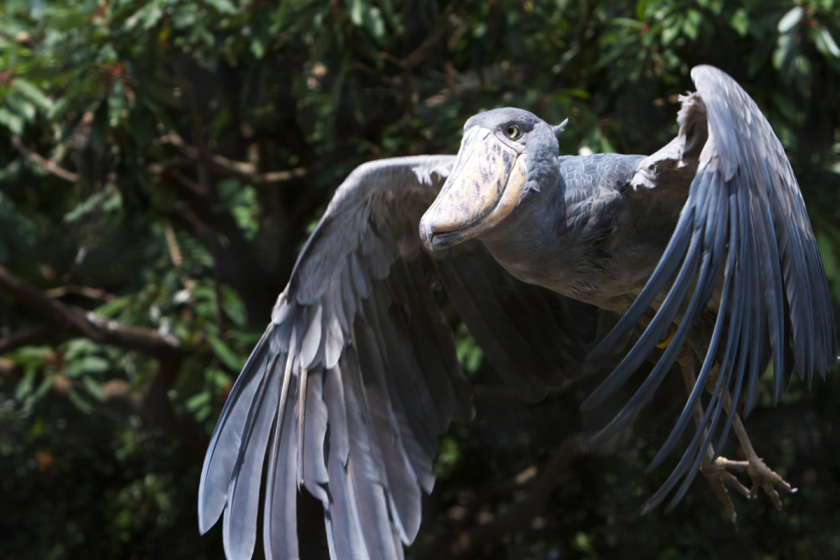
(761, 475)
(717, 471)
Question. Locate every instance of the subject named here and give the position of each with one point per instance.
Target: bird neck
(534, 236)
(555, 237)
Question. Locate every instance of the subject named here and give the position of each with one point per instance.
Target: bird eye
(513, 131)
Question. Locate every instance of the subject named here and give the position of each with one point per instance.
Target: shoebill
(703, 248)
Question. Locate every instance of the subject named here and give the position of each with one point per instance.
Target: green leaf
(113, 307)
(24, 386)
(31, 92)
(627, 22)
(227, 356)
(12, 121)
(21, 106)
(825, 42)
(88, 364)
(574, 92)
(93, 388)
(370, 17)
(43, 388)
(79, 401)
(790, 19)
(108, 200)
(468, 351)
(740, 21)
(258, 48)
(692, 23)
(32, 355)
(670, 32)
(80, 347)
(198, 400)
(233, 307)
(783, 54)
(222, 6)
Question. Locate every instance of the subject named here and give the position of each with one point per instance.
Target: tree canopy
(162, 162)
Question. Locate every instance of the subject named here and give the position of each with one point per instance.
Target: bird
(560, 266)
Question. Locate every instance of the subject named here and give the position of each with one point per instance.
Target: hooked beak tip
(437, 240)
(426, 234)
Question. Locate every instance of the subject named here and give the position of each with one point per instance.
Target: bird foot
(719, 476)
(767, 480)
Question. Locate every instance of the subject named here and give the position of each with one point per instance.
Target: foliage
(161, 163)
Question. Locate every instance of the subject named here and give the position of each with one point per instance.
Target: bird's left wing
(357, 374)
(361, 443)
(744, 216)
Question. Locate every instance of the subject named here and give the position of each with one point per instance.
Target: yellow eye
(513, 131)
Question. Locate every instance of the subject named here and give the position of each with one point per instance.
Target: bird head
(505, 154)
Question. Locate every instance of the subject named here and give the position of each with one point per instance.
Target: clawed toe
(718, 475)
(768, 480)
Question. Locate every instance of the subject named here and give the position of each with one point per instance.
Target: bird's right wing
(744, 219)
(357, 374)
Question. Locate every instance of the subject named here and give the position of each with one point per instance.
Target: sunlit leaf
(87, 364)
(93, 388)
(740, 21)
(233, 306)
(24, 386)
(12, 121)
(198, 401)
(825, 42)
(790, 19)
(33, 93)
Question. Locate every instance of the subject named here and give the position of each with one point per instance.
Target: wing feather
(744, 209)
(357, 376)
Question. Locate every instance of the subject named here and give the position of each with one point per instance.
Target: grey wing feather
(744, 214)
(357, 376)
(305, 383)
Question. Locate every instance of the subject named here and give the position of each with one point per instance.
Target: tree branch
(13, 341)
(151, 404)
(86, 291)
(72, 319)
(47, 165)
(246, 172)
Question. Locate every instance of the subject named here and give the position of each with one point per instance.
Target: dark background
(162, 162)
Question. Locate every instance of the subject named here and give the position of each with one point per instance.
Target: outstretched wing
(745, 215)
(357, 376)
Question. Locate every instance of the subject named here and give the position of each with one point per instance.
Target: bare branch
(244, 171)
(86, 291)
(419, 54)
(47, 165)
(76, 320)
(11, 342)
(161, 167)
(172, 244)
(196, 188)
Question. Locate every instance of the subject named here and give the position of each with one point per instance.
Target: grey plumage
(356, 376)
